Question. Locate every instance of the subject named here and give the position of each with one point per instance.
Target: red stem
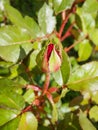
(63, 24)
(67, 34)
(77, 42)
(27, 109)
(46, 84)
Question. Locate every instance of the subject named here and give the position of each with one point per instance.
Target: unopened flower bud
(51, 59)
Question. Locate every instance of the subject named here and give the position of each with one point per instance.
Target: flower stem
(67, 34)
(46, 84)
(63, 24)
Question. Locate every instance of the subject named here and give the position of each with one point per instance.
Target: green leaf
(4, 71)
(27, 22)
(85, 123)
(65, 67)
(90, 6)
(6, 85)
(54, 114)
(84, 78)
(93, 113)
(94, 97)
(16, 42)
(93, 34)
(32, 59)
(12, 35)
(84, 51)
(12, 100)
(58, 77)
(86, 20)
(28, 122)
(70, 122)
(11, 125)
(62, 75)
(29, 96)
(15, 53)
(7, 115)
(46, 19)
(60, 5)
(16, 70)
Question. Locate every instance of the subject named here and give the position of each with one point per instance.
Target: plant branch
(33, 40)
(63, 15)
(46, 84)
(28, 108)
(67, 34)
(75, 43)
(63, 24)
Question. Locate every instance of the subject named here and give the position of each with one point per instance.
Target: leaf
(32, 59)
(94, 97)
(4, 71)
(29, 96)
(17, 49)
(7, 115)
(86, 19)
(84, 78)
(60, 5)
(62, 75)
(6, 85)
(93, 34)
(28, 122)
(70, 122)
(11, 125)
(85, 123)
(90, 6)
(12, 100)
(93, 113)
(46, 19)
(65, 67)
(58, 77)
(15, 53)
(84, 51)
(27, 22)
(54, 114)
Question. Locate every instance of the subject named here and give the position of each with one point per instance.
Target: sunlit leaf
(84, 78)
(62, 75)
(28, 122)
(93, 34)
(90, 6)
(12, 100)
(11, 125)
(29, 96)
(60, 5)
(93, 113)
(7, 115)
(84, 50)
(46, 19)
(27, 22)
(85, 123)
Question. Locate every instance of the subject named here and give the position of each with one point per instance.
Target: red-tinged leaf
(54, 61)
(45, 67)
(49, 96)
(35, 88)
(53, 89)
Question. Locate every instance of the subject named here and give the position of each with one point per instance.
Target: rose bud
(51, 60)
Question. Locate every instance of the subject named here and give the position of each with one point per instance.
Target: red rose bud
(52, 59)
